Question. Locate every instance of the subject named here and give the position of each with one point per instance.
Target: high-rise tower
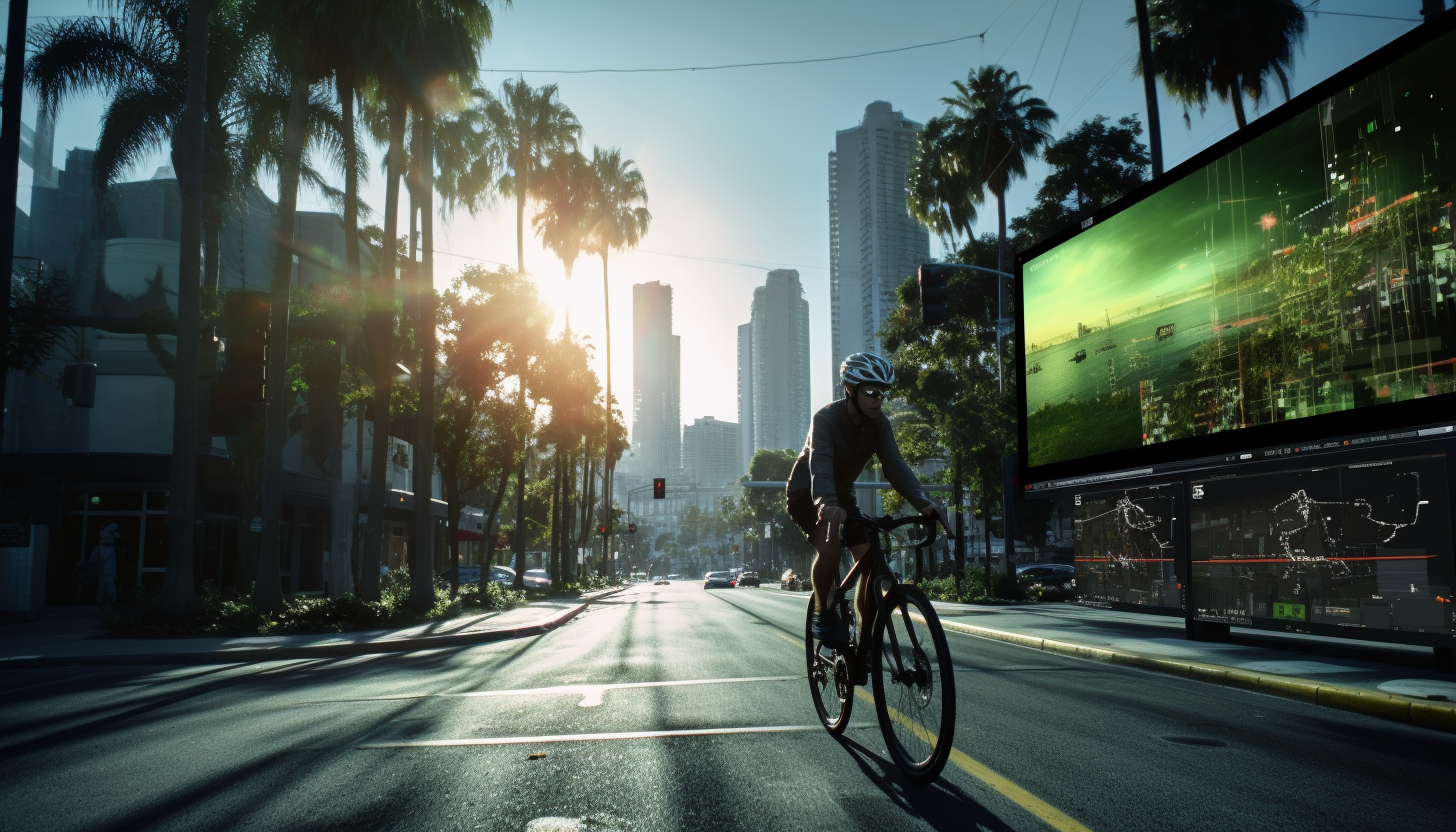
(656, 426)
(874, 243)
(773, 367)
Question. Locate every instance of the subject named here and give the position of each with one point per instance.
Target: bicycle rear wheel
(914, 684)
(829, 684)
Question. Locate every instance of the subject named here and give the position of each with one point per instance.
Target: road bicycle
(907, 657)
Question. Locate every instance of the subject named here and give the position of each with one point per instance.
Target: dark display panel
(1124, 545)
(1365, 545)
(1307, 272)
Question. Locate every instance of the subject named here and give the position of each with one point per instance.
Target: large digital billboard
(1302, 274)
(1362, 545)
(1125, 544)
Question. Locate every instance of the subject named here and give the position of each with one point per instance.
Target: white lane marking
(591, 695)
(615, 735)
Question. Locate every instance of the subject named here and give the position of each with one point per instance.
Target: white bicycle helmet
(866, 368)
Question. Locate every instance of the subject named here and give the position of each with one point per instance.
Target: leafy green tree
(993, 128)
(1226, 47)
(1090, 166)
(953, 375)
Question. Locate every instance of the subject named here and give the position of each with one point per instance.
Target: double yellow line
(1049, 814)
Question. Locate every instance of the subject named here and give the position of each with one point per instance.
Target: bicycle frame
(874, 561)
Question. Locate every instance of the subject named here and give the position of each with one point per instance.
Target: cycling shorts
(806, 516)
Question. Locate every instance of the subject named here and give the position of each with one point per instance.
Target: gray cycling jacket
(835, 452)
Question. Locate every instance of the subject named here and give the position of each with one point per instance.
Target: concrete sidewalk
(70, 636)
(1391, 681)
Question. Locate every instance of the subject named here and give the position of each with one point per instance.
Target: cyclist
(842, 438)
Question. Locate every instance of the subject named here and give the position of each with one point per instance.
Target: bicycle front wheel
(914, 684)
(829, 684)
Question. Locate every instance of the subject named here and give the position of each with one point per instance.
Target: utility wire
(1075, 17)
(710, 68)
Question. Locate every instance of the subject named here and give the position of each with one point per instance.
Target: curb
(1437, 715)
(321, 651)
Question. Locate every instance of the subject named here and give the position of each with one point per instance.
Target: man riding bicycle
(842, 437)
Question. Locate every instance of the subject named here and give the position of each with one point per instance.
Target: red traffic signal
(631, 528)
(659, 488)
(602, 530)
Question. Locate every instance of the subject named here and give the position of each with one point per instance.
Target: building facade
(711, 452)
(78, 469)
(874, 243)
(773, 367)
(656, 355)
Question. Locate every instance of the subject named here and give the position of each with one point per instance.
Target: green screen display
(1309, 271)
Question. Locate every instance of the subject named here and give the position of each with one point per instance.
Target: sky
(735, 161)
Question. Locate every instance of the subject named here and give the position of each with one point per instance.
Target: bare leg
(825, 571)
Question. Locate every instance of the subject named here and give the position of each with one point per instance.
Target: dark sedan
(718, 580)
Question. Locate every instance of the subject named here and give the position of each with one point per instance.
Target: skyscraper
(656, 425)
(773, 366)
(745, 395)
(710, 452)
(874, 243)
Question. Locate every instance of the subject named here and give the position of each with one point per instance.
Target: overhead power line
(745, 65)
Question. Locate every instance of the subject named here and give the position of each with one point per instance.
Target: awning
(467, 534)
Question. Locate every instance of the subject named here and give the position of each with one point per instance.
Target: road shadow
(941, 804)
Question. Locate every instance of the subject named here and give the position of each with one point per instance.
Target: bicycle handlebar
(890, 522)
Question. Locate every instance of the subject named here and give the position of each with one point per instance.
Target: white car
(537, 579)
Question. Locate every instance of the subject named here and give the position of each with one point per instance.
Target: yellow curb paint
(1290, 688)
(1433, 715)
(1375, 704)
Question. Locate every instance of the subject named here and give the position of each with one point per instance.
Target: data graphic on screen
(1307, 272)
(1123, 546)
(1359, 545)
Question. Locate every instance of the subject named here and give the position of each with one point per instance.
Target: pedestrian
(102, 566)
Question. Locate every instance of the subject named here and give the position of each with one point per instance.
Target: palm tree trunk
(1238, 99)
(488, 546)
(607, 437)
(179, 596)
(1150, 86)
(344, 502)
(520, 582)
(268, 593)
(520, 217)
(422, 583)
(1000, 233)
(381, 335)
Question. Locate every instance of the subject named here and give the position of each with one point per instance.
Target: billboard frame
(1392, 415)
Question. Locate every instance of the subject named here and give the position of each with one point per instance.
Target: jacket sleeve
(896, 471)
(821, 459)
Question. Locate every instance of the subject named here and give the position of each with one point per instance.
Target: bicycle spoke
(914, 686)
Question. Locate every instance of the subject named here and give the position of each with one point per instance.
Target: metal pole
(13, 91)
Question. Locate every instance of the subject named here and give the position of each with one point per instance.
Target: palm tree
(532, 126)
(619, 220)
(939, 192)
(566, 195)
(993, 129)
(154, 61)
(1229, 47)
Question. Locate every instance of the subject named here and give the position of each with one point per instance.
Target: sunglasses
(877, 395)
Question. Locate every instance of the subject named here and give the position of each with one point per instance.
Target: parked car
(536, 579)
(748, 579)
(794, 582)
(470, 573)
(674, 577)
(1057, 580)
(718, 580)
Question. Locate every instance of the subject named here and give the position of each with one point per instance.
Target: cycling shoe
(831, 630)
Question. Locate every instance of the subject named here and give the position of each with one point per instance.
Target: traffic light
(602, 530)
(631, 528)
(934, 296)
(659, 488)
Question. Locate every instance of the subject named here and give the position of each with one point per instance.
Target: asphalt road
(666, 708)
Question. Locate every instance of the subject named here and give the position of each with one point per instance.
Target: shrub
(972, 588)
